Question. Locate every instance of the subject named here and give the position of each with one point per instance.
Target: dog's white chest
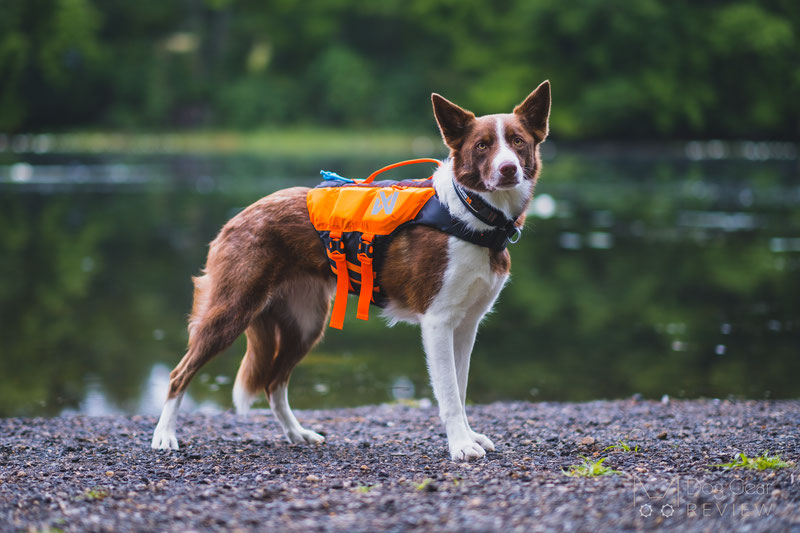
(469, 284)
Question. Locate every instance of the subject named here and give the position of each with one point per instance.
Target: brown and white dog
(268, 276)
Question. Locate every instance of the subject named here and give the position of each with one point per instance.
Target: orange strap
(342, 280)
(400, 164)
(365, 257)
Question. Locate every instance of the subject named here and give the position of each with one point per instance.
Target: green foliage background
(655, 68)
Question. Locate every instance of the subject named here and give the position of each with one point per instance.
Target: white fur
(504, 154)
(510, 201)
(164, 435)
(469, 289)
(279, 402)
(242, 399)
(394, 313)
(463, 341)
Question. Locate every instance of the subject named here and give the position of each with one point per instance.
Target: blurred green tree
(619, 69)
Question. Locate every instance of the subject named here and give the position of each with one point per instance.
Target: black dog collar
(486, 213)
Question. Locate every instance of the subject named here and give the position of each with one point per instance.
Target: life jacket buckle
(365, 247)
(335, 243)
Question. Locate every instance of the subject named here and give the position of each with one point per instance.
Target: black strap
(485, 212)
(435, 215)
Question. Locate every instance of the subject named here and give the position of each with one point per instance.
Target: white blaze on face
(504, 154)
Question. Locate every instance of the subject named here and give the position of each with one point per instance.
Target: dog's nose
(508, 169)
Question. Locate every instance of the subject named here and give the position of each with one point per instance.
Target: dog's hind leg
(300, 312)
(219, 315)
(254, 371)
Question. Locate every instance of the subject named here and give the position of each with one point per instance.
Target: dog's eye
(518, 142)
(481, 146)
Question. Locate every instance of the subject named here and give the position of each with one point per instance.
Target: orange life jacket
(357, 219)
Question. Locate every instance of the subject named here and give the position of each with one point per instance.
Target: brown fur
(414, 268)
(262, 345)
(258, 259)
(500, 262)
(473, 141)
(267, 247)
(477, 149)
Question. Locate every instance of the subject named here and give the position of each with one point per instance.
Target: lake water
(650, 269)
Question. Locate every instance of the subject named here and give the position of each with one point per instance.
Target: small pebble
(662, 435)
(312, 478)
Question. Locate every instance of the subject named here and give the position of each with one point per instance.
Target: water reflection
(653, 275)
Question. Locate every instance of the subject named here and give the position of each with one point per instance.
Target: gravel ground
(386, 468)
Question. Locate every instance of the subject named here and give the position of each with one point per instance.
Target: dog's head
(495, 152)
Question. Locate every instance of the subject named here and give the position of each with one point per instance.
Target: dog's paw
(305, 436)
(164, 440)
(466, 451)
(483, 441)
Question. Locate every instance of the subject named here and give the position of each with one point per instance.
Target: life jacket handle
(400, 164)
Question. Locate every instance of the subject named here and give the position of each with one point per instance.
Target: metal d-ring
(514, 239)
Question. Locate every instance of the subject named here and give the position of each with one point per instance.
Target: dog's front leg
(437, 338)
(464, 340)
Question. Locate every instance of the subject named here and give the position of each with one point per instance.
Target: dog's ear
(453, 121)
(534, 112)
